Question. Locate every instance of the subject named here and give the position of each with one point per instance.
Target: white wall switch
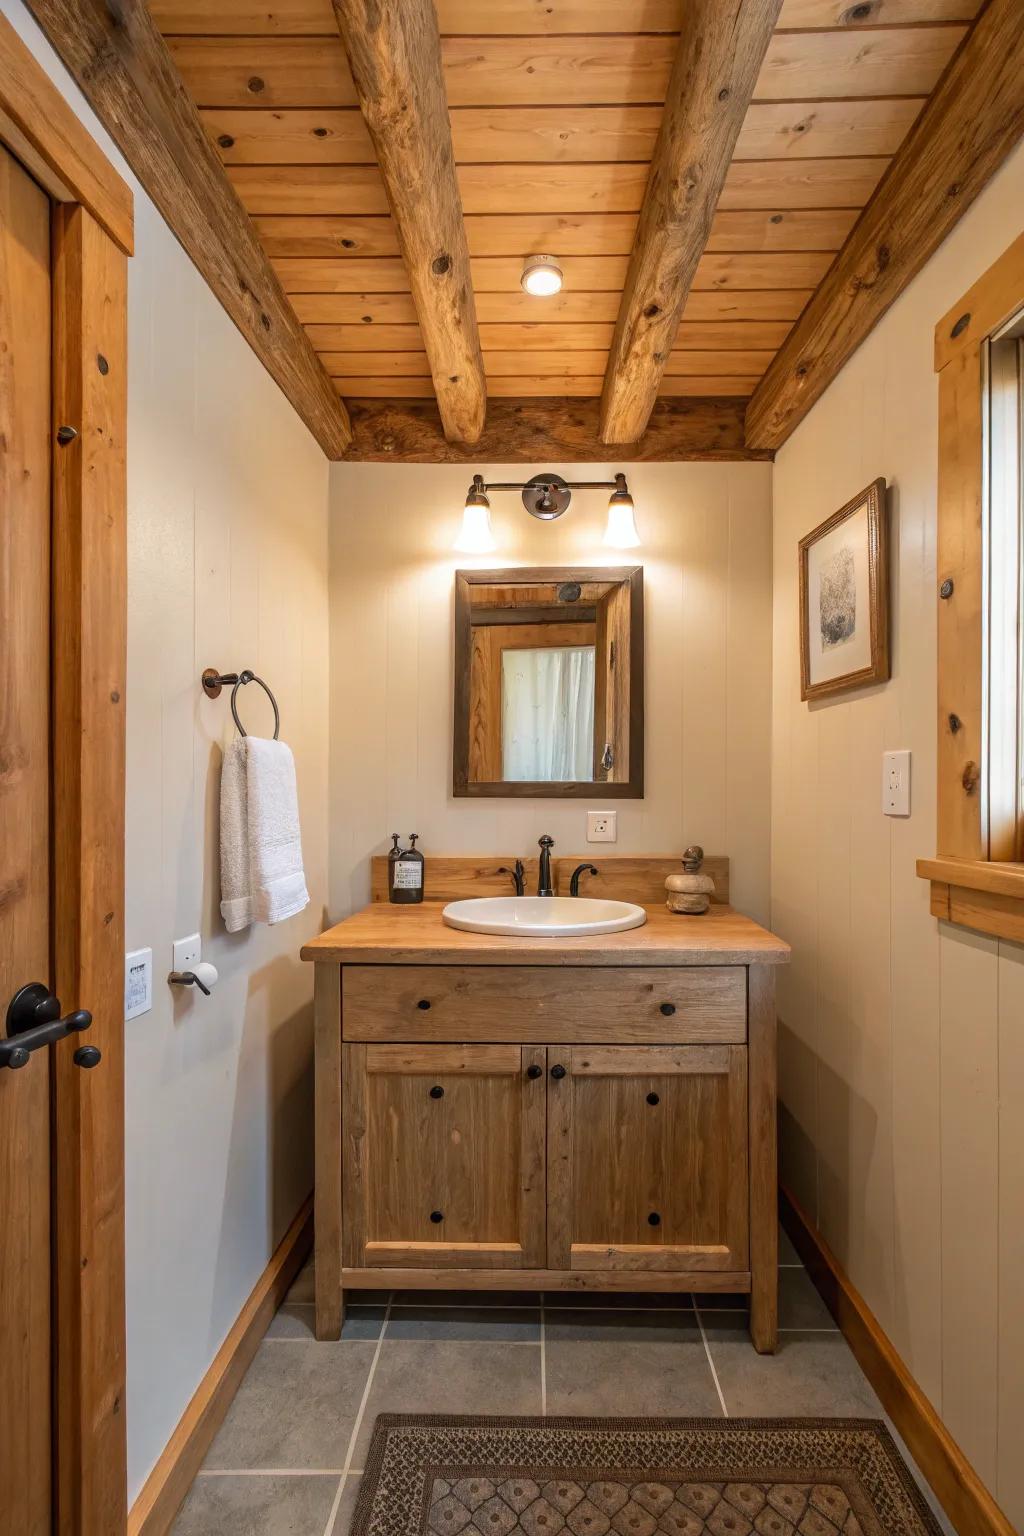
(601, 827)
(187, 953)
(896, 783)
(138, 983)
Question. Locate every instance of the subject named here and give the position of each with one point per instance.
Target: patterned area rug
(428, 1475)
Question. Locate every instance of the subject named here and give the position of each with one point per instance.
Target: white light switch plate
(138, 982)
(601, 827)
(187, 952)
(896, 783)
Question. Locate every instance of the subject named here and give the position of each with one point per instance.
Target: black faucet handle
(518, 873)
(581, 869)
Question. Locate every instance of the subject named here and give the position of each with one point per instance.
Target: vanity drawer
(536, 1004)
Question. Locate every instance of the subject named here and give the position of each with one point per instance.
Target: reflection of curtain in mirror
(547, 714)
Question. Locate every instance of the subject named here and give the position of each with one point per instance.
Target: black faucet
(518, 875)
(544, 887)
(581, 869)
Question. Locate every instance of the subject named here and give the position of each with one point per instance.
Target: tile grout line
(711, 1363)
(357, 1426)
(543, 1362)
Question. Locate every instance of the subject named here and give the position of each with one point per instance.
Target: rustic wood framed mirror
(549, 682)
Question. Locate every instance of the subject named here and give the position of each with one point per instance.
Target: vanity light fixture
(621, 532)
(476, 537)
(546, 497)
(542, 276)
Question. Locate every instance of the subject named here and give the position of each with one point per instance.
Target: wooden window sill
(978, 894)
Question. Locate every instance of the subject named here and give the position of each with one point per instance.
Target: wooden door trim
(42, 131)
(92, 235)
(89, 594)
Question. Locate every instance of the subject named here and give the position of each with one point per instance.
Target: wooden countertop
(415, 935)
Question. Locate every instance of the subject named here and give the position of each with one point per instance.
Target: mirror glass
(548, 682)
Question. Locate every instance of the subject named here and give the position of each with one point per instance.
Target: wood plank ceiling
(555, 106)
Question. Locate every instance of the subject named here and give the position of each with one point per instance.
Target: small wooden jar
(691, 891)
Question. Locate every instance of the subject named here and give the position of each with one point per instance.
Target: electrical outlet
(138, 983)
(601, 827)
(896, 783)
(187, 953)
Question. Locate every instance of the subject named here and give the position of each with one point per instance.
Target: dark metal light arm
(545, 496)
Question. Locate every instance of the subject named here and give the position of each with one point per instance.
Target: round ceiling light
(542, 276)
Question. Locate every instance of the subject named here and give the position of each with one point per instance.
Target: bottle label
(408, 875)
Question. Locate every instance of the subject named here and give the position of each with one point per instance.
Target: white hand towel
(262, 878)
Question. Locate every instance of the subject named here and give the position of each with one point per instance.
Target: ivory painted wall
(902, 1039)
(227, 554)
(706, 558)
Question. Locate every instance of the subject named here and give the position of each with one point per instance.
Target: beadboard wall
(227, 566)
(902, 1039)
(707, 575)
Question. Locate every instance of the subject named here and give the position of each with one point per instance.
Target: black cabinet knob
(423, 1003)
(437, 1092)
(653, 1098)
(87, 1056)
(668, 1009)
(558, 1072)
(436, 1216)
(534, 1071)
(654, 1219)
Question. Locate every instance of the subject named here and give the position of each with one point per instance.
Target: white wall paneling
(901, 1071)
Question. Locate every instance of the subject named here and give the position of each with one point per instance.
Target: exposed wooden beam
(971, 123)
(123, 67)
(394, 52)
(561, 431)
(717, 62)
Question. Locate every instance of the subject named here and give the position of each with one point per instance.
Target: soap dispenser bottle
(406, 873)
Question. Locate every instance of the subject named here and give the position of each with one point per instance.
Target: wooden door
(25, 949)
(647, 1157)
(443, 1155)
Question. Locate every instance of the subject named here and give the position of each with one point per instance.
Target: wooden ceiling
(555, 106)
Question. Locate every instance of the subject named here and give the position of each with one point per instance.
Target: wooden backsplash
(621, 877)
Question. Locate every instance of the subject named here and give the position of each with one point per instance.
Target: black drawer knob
(558, 1072)
(437, 1092)
(668, 1009)
(654, 1219)
(423, 1003)
(653, 1098)
(534, 1071)
(436, 1216)
(87, 1056)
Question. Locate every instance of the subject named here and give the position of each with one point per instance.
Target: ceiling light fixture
(542, 276)
(476, 537)
(546, 497)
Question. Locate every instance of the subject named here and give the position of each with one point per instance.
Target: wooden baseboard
(959, 1489)
(154, 1510)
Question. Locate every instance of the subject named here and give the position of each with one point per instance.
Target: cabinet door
(443, 1156)
(647, 1156)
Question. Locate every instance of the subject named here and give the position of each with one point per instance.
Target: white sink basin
(543, 916)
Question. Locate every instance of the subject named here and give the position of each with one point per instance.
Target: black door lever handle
(33, 1020)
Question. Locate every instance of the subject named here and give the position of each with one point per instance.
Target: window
(977, 876)
(1002, 542)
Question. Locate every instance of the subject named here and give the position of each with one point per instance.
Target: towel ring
(213, 681)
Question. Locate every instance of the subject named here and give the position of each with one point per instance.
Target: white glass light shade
(542, 276)
(621, 532)
(476, 536)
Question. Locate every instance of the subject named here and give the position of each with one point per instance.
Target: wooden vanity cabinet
(546, 1127)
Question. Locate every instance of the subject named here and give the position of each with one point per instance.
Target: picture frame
(844, 598)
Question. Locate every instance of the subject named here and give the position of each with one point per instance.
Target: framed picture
(844, 598)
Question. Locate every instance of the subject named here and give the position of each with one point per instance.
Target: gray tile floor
(289, 1457)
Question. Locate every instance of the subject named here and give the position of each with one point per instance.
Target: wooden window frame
(92, 223)
(975, 879)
